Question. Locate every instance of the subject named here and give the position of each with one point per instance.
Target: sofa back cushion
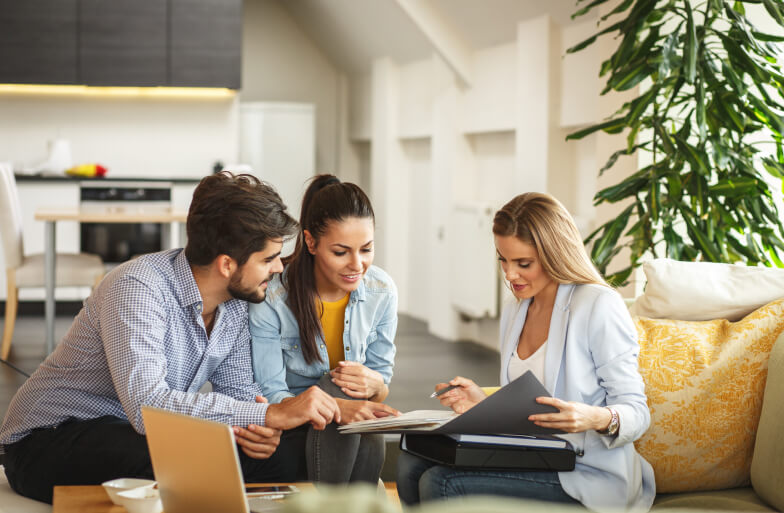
(705, 382)
(703, 291)
(767, 466)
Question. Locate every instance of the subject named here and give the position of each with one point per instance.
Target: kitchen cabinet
(186, 43)
(123, 42)
(205, 43)
(38, 43)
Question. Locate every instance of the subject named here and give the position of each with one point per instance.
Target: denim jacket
(368, 336)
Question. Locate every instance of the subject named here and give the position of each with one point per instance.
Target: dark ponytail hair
(327, 200)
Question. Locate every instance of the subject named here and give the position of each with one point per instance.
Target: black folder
(445, 450)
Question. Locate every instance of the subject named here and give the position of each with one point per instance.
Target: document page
(418, 419)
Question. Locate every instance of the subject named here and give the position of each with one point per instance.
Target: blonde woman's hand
(572, 417)
(464, 397)
(358, 381)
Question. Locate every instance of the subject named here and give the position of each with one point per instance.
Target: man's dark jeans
(89, 452)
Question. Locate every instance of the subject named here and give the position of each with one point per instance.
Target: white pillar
(388, 185)
(452, 180)
(535, 89)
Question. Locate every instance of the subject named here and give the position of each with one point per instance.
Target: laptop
(197, 465)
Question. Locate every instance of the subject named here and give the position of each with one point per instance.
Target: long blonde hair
(542, 221)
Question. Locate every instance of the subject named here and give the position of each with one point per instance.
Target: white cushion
(701, 291)
(73, 270)
(11, 502)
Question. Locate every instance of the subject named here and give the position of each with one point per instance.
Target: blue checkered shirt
(140, 340)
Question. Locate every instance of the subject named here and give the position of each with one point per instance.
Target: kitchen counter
(76, 179)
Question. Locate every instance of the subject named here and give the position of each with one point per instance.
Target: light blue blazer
(591, 357)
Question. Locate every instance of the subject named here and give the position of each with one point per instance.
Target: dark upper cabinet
(123, 42)
(205, 43)
(38, 41)
(189, 43)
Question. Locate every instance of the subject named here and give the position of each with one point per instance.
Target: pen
(444, 390)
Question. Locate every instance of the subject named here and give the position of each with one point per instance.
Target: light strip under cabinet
(151, 92)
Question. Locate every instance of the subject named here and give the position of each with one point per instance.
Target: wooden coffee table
(93, 499)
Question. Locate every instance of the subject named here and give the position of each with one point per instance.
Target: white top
(534, 363)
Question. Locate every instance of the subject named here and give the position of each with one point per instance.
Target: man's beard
(252, 295)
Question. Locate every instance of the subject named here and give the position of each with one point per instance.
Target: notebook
(197, 466)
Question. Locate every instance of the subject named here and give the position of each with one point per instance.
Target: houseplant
(709, 116)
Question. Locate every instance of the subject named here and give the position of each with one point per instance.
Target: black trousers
(89, 452)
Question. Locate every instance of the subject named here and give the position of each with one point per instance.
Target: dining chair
(25, 271)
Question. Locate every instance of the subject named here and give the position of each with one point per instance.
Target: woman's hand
(358, 381)
(572, 417)
(354, 411)
(461, 399)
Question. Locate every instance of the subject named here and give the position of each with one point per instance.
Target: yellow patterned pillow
(705, 382)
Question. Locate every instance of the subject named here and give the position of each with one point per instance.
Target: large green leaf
(587, 8)
(628, 187)
(579, 46)
(774, 9)
(604, 246)
(691, 46)
(734, 186)
(707, 246)
(612, 126)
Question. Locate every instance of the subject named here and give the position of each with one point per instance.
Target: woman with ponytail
(329, 321)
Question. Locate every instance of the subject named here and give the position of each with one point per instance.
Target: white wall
(150, 137)
(281, 63)
(501, 135)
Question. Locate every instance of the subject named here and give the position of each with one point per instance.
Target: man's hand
(354, 411)
(258, 442)
(313, 405)
(358, 381)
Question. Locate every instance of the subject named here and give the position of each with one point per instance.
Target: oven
(118, 242)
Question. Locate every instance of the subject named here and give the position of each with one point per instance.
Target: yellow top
(332, 324)
(490, 390)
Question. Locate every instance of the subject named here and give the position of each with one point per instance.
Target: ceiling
(355, 32)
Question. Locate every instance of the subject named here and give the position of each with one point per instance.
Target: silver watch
(615, 424)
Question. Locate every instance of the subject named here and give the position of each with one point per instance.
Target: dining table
(92, 214)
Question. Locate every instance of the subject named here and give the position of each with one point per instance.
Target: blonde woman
(574, 333)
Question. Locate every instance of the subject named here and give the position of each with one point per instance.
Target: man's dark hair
(235, 216)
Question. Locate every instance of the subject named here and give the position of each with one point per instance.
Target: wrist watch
(615, 424)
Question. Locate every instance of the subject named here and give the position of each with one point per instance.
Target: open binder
(504, 412)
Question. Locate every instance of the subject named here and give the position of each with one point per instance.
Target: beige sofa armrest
(767, 465)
